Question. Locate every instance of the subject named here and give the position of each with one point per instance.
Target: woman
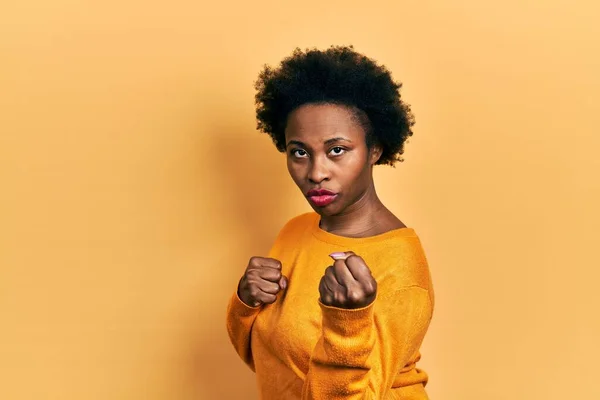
(339, 307)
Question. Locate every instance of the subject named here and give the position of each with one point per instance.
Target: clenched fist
(261, 281)
(348, 283)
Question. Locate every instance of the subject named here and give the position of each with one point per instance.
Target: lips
(321, 197)
(320, 192)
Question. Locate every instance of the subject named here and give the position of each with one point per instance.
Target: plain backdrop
(134, 188)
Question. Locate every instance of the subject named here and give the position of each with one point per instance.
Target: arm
(240, 319)
(361, 350)
(259, 286)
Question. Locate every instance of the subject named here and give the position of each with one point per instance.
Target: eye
(337, 151)
(299, 153)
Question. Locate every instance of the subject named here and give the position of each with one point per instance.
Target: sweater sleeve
(240, 319)
(361, 351)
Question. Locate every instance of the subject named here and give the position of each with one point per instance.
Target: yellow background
(134, 188)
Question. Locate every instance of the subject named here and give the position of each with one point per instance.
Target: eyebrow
(328, 141)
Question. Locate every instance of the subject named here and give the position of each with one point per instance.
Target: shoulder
(294, 232)
(401, 262)
(298, 225)
(302, 220)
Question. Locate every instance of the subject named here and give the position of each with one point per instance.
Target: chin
(327, 211)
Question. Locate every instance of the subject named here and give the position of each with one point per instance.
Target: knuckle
(354, 257)
(370, 287)
(251, 273)
(270, 276)
(253, 277)
(354, 296)
(323, 287)
(270, 298)
(359, 262)
(338, 298)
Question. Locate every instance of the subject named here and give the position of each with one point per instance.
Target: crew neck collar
(332, 238)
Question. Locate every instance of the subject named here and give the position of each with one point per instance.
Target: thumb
(283, 282)
(342, 255)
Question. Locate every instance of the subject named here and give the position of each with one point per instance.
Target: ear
(375, 153)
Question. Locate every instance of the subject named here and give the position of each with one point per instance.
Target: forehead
(319, 122)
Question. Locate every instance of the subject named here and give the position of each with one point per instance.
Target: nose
(318, 171)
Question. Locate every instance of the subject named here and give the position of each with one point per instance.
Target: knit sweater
(300, 348)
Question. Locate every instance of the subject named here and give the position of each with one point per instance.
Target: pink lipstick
(321, 197)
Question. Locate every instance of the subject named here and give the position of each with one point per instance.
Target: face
(328, 158)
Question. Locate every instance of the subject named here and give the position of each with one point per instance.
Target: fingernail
(284, 284)
(338, 255)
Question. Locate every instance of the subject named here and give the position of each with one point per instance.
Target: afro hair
(338, 75)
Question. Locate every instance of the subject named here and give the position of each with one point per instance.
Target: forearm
(361, 351)
(239, 321)
(341, 363)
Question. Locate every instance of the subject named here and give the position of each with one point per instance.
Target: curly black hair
(338, 75)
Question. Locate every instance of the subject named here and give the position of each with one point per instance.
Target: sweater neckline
(332, 238)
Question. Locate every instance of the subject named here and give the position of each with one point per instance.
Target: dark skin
(326, 149)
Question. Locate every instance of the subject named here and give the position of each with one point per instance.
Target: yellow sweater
(302, 349)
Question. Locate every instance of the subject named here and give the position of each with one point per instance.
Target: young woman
(341, 304)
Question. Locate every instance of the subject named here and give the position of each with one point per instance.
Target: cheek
(352, 172)
(295, 171)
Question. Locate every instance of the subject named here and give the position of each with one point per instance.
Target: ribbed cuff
(238, 307)
(348, 322)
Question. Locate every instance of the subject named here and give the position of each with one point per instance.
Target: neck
(359, 219)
